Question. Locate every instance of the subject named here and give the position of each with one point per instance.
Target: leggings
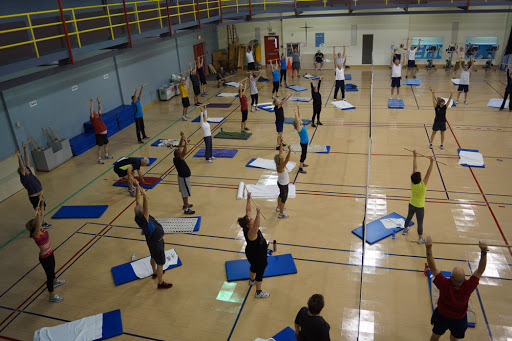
(258, 261)
(304, 151)
(139, 126)
(208, 150)
(276, 87)
(283, 191)
(316, 113)
(420, 213)
(340, 85)
(48, 264)
(283, 76)
(254, 99)
(507, 93)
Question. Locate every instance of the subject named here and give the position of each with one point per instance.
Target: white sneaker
(184, 118)
(465, 102)
(59, 282)
(321, 69)
(397, 97)
(457, 102)
(441, 146)
(391, 98)
(252, 109)
(343, 99)
(56, 299)
(209, 161)
(213, 158)
(257, 109)
(262, 294)
(335, 100)
(108, 156)
(430, 146)
(283, 216)
(277, 209)
(132, 193)
(100, 161)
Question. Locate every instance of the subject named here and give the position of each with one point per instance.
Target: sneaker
(187, 116)
(109, 156)
(441, 146)
(209, 161)
(414, 76)
(305, 165)
(430, 146)
(257, 109)
(202, 95)
(154, 276)
(406, 76)
(465, 102)
(59, 282)
(284, 144)
(184, 118)
(262, 294)
(405, 231)
(319, 123)
(277, 148)
(189, 211)
(285, 84)
(343, 99)
(397, 97)
(321, 68)
(457, 102)
(164, 285)
(313, 125)
(283, 216)
(197, 104)
(421, 241)
(302, 171)
(391, 98)
(335, 100)
(251, 282)
(100, 161)
(56, 298)
(145, 137)
(213, 158)
(140, 141)
(277, 209)
(252, 109)
(501, 109)
(189, 206)
(46, 225)
(132, 193)
(247, 129)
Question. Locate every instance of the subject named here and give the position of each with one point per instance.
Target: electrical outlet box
(32, 104)
(74, 88)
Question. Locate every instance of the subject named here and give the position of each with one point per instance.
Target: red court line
(483, 195)
(8, 338)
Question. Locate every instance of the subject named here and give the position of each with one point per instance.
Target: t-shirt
(441, 113)
(250, 57)
(312, 328)
(453, 302)
(275, 76)
(137, 109)
(253, 87)
(125, 163)
(317, 97)
(181, 167)
(339, 60)
(464, 77)
(296, 57)
(396, 70)
(45, 246)
(418, 194)
(30, 182)
(205, 126)
(183, 91)
(283, 64)
(340, 74)
(303, 134)
(412, 53)
(152, 229)
(200, 71)
(195, 80)
(98, 124)
(279, 112)
(243, 103)
(221, 75)
(319, 57)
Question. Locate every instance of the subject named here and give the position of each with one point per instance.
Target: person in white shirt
(411, 61)
(250, 58)
(396, 76)
(340, 80)
(464, 81)
(207, 135)
(339, 58)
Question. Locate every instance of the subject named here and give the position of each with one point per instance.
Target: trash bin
(167, 92)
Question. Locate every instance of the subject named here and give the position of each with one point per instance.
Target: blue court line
(239, 313)
(312, 137)
(330, 92)
(498, 94)
(481, 305)
(142, 337)
(437, 165)
(412, 89)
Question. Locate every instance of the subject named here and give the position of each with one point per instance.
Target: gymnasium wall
(387, 30)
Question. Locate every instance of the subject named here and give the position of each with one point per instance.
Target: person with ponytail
(283, 180)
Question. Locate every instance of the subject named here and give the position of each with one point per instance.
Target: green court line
(96, 178)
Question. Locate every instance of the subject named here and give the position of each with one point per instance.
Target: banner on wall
(423, 52)
(319, 39)
(484, 43)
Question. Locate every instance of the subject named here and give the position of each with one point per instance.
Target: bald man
(454, 293)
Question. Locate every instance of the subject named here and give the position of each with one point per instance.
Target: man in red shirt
(100, 130)
(454, 293)
(243, 106)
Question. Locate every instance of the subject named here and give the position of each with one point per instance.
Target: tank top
(257, 244)
(283, 178)
(440, 113)
(43, 241)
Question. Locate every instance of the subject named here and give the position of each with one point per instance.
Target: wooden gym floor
(463, 205)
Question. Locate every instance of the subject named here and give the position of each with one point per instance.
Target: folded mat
(268, 106)
(471, 158)
(219, 153)
(210, 119)
(262, 79)
(343, 105)
(496, 103)
(412, 82)
(300, 99)
(151, 159)
(218, 105)
(235, 84)
(313, 148)
(269, 164)
(310, 76)
(396, 104)
(237, 270)
(227, 94)
(351, 87)
(233, 135)
(455, 81)
(141, 268)
(151, 182)
(290, 120)
(296, 87)
(83, 211)
(263, 191)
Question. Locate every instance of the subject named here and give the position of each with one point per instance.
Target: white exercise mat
(471, 158)
(343, 105)
(227, 94)
(455, 81)
(270, 164)
(391, 223)
(215, 119)
(267, 191)
(178, 225)
(496, 103)
(86, 329)
(142, 267)
(235, 84)
(310, 76)
(312, 148)
(299, 99)
(451, 104)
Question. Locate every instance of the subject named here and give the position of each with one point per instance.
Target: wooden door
(271, 48)
(199, 51)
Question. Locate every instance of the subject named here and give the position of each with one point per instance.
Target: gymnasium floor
(463, 205)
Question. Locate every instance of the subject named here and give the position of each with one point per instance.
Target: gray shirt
(296, 57)
(253, 88)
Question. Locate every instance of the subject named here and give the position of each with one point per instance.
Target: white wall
(387, 30)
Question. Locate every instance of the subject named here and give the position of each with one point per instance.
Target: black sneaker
(302, 171)
(145, 137)
(305, 165)
(319, 123)
(189, 211)
(284, 144)
(46, 225)
(164, 285)
(277, 148)
(313, 125)
(140, 141)
(247, 129)
(189, 206)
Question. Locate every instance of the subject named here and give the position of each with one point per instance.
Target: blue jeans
(208, 153)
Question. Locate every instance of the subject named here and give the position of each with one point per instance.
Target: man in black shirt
(125, 167)
(183, 174)
(279, 112)
(30, 181)
(319, 60)
(154, 236)
(309, 325)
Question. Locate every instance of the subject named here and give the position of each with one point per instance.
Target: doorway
(199, 51)
(271, 48)
(367, 48)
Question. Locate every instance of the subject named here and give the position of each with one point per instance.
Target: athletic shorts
(411, 64)
(251, 66)
(184, 186)
(283, 192)
(120, 172)
(463, 87)
(101, 139)
(202, 78)
(319, 60)
(439, 126)
(34, 201)
(442, 324)
(395, 82)
(157, 251)
(244, 115)
(197, 89)
(295, 65)
(279, 127)
(185, 102)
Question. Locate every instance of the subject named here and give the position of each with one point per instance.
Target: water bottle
(275, 246)
(133, 257)
(393, 235)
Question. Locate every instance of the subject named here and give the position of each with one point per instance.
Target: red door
(271, 48)
(198, 52)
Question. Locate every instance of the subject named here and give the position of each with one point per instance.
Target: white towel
(235, 84)
(391, 223)
(267, 191)
(270, 164)
(456, 81)
(471, 158)
(227, 94)
(343, 105)
(143, 269)
(315, 148)
(86, 329)
(496, 102)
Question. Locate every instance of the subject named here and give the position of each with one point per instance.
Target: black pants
(48, 264)
(254, 99)
(420, 213)
(507, 93)
(208, 150)
(275, 88)
(316, 113)
(340, 85)
(258, 260)
(139, 125)
(304, 151)
(283, 76)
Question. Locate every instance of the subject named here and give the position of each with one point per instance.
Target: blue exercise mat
(296, 88)
(266, 107)
(290, 120)
(85, 211)
(151, 159)
(237, 270)
(112, 325)
(396, 104)
(412, 82)
(375, 231)
(262, 79)
(157, 142)
(124, 273)
(446, 274)
(312, 78)
(348, 77)
(197, 120)
(469, 150)
(220, 153)
(351, 87)
(287, 334)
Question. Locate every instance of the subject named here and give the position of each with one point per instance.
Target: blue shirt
(303, 133)
(275, 76)
(283, 64)
(137, 109)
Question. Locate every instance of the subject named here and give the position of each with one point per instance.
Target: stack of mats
(81, 143)
(412, 82)
(351, 87)
(125, 116)
(290, 120)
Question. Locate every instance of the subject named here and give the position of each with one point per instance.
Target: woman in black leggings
(317, 102)
(256, 248)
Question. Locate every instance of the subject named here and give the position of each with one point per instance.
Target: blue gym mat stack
(124, 116)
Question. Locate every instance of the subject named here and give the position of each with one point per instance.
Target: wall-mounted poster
(429, 46)
(483, 44)
(319, 39)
